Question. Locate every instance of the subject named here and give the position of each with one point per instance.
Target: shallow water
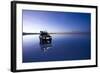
(63, 47)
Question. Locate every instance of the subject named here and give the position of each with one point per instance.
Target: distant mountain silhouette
(24, 33)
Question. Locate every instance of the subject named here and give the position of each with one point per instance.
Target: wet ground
(62, 47)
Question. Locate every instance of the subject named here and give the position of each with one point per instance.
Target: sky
(51, 21)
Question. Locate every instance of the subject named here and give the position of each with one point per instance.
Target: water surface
(63, 47)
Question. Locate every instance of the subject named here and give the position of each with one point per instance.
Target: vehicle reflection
(45, 46)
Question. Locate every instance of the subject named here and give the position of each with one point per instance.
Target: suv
(45, 38)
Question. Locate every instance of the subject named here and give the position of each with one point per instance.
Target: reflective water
(63, 47)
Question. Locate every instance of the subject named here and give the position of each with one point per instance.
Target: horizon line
(24, 33)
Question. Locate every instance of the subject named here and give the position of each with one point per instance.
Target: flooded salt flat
(63, 47)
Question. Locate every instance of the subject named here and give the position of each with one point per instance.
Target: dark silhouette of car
(45, 38)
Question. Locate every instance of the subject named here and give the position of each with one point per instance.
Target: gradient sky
(51, 21)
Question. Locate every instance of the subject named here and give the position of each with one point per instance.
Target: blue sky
(51, 21)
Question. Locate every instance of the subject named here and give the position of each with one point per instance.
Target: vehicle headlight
(47, 37)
